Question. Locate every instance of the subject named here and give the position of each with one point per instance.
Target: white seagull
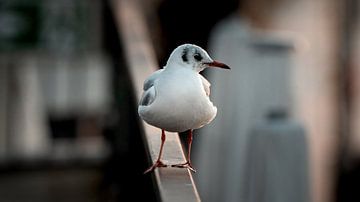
(176, 98)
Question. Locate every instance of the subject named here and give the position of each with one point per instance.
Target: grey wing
(149, 94)
(148, 97)
(149, 82)
(206, 84)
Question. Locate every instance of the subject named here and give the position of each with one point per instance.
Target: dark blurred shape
(348, 182)
(19, 24)
(277, 114)
(187, 21)
(57, 184)
(348, 161)
(65, 128)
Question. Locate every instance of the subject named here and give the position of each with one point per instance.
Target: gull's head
(192, 57)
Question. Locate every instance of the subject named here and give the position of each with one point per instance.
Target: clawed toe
(155, 165)
(185, 165)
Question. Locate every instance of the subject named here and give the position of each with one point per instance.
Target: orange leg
(187, 164)
(158, 162)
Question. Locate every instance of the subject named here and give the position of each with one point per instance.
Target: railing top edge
(173, 184)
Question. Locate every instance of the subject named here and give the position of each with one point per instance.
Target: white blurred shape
(258, 83)
(28, 136)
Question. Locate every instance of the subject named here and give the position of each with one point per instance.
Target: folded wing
(149, 94)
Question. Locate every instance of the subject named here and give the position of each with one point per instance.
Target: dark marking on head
(184, 54)
(197, 56)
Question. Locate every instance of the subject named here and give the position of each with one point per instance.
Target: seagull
(176, 98)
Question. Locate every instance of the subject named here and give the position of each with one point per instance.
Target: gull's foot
(158, 163)
(185, 165)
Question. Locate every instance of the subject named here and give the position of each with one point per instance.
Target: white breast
(181, 102)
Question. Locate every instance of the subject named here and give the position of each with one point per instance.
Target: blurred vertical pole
(28, 137)
(3, 107)
(348, 18)
(277, 158)
(348, 170)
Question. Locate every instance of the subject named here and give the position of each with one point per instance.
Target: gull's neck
(174, 66)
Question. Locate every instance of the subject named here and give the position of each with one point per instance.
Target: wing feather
(148, 97)
(206, 84)
(149, 94)
(149, 82)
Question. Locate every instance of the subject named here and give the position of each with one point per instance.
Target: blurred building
(56, 73)
(55, 95)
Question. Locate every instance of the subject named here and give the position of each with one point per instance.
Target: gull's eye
(197, 57)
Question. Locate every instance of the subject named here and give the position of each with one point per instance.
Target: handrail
(173, 184)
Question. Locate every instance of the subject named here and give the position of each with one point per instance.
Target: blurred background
(288, 124)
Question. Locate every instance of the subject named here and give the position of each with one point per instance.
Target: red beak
(217, 64)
